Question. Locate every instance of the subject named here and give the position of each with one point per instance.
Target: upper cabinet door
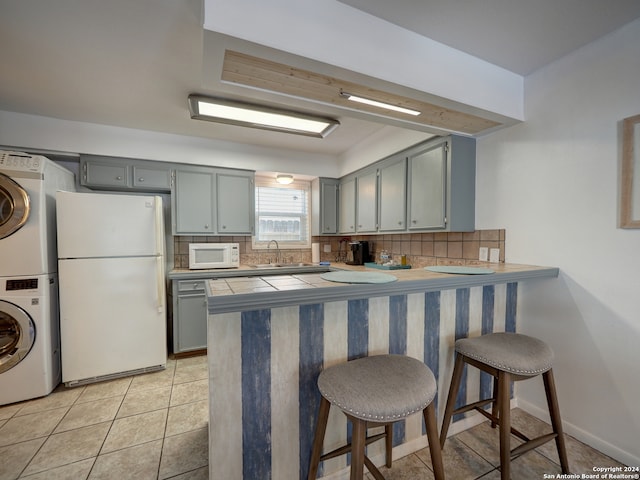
(366, 206)
(347, 203)
(193, 200)
(328, 207)
(145, 178)
(427, 188)
(104, 174)
(393, 195)
(235, 203)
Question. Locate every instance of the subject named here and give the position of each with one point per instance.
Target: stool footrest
(531, 444)
(373, 470)
(347, 448)
(476, 405)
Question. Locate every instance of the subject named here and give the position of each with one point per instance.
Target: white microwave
(214, 255)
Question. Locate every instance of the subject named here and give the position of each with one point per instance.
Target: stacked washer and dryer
(29, 319)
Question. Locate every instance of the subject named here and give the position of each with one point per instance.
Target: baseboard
(603, 446)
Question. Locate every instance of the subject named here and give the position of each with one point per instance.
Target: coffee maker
(359, 253)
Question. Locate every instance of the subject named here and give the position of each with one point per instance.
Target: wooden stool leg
(504, 417)
(318, 439)
(451, 399)
(388, 443)
(431, 423)
(556, 422)
(494, 407)
(358, 435)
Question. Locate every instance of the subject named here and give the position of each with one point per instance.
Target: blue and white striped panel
(265, 364)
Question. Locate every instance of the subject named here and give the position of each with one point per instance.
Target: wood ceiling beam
(254, 72)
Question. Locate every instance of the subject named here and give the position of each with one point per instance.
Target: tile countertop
(266, 290)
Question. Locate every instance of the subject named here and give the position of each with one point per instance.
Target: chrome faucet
(277, 250)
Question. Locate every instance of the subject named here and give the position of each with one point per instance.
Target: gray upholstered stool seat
(514, 353)
(508, 357)
(376, 390)
(383, 388)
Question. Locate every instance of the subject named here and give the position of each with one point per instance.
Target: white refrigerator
(112, 285)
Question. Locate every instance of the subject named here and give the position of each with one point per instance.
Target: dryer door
(14, 206)
(17, 335)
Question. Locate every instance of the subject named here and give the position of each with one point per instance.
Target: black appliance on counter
(359, 253)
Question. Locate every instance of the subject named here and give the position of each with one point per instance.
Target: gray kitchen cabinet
(427, 183)
(189, 315)
(347, 205)
(148, 178)
(392, 197)
(124, 174)
(210, 201)
(192, 200)
(235, 200)
(324, 206)
(441, 185)
(367, 201)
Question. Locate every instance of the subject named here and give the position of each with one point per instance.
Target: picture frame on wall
(630, 174)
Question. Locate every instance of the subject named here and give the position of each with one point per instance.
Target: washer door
(14, 206)
(17, 335)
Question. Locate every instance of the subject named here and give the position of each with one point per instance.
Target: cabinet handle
(195, 286)
(414, 221)
(206, 226)
(400, 222)
(118, 177)
(141, 179)
(224, 226)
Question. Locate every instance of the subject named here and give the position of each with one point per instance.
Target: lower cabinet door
(192, 323)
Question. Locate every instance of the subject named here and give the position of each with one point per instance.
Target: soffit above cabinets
(259, 73)
(241, 70)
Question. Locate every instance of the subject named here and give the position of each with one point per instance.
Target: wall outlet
(494, 255)
(326, 248)
(484, 254)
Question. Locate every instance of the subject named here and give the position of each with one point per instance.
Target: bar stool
(508, 357)
(374, 391)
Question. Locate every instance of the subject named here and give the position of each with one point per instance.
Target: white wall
(35, 132)
(552, 182)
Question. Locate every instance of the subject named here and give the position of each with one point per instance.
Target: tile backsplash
(421, 249)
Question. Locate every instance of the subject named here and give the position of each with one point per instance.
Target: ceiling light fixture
(258, 116)
(376, 103)
(284, 179)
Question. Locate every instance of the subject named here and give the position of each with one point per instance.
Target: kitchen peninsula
(269, 336)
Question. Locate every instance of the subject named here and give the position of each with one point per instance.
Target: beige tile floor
(154, 426)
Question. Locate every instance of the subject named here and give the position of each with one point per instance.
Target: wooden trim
(627, 173)
(259, 73)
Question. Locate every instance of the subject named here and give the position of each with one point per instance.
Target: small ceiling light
(257, 116)
(376, 103)
(284, 179)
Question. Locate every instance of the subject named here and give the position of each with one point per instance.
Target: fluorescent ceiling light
(284, 179)
(376, 103)
(257, 116)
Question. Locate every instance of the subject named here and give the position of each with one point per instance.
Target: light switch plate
(494, 255)
(484, 254)
(326, 248)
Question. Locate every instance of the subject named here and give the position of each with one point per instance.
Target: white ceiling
(133, 63)
(518, 35)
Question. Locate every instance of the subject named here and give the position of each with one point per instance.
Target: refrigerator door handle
(160, 283)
